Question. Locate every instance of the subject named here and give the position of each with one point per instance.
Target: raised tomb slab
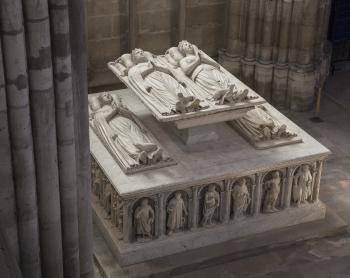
(189, 157)
(212, 191)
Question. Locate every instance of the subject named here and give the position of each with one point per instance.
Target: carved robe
(302, 186)
(258, 124)
(211, 203)
(161, 87)
(210, 79)
(272, 188)
(176, 210)
(144, 217)
(241, 200)
(120, 132)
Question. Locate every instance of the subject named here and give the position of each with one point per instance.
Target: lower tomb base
(132, 253)
(221, 253)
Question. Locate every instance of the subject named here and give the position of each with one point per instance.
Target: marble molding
(224, 187)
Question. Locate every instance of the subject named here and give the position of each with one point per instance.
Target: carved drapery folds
(125, 136)
(279, 48)
(209, 199)
(169, 213)
(177, 212)
(241, 198)
(263, 130)
(182, 82)
(303, 184)
(272, 191)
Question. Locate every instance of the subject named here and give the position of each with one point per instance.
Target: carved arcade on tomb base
(225, 202)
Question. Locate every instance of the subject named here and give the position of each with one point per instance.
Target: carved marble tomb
(156, 194)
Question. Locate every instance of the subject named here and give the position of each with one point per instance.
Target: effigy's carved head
(185, 47)
(275, 174)
(138, 56)
(242, 182)
(178, 195)
(106, 98)
(305, 168)
(211, 188)
(144, 202)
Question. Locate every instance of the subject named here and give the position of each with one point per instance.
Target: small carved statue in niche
(122, 134)
(211, 203)
(106, 198)
(259, 125)
(157, 83)
(95, 177)
(144, 218)
(302, 185)
(272, 190)
(241, 198)
(207, 74)
(177, 213)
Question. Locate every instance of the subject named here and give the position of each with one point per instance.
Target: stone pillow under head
(94, 103)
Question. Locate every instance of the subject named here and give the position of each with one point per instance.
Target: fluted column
(127, 221)
(62, 70)
(44, 134)
(248, 63)
(307, 33)
(41, 114)
(227, 201)
(17, 91)
(195, 207)
(289, 185)
(257, 193)
(317, 183)
(280, 79)
(7, 190)
(162, 214)
(278, 48)
(81, 123)
(233, 47)
(264, 67)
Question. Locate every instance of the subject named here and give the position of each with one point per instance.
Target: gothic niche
(117, 213)
(177, 212)
(241, 198)
(271, 192)
(95, 177)
(209, 204)
(106, 195)
(144, 220)
(302, 185)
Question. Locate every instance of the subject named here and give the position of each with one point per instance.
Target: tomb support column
(257, 193)
(195, 210)
(227, 201)
(317, 183)
(162, 215)
(127, 221)
(289, 184)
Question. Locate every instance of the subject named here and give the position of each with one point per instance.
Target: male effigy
(188, 152)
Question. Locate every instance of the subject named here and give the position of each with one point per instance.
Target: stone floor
(324, 258)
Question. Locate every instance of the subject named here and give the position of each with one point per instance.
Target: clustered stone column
(45, 211)
(146, 217)
(279, 48)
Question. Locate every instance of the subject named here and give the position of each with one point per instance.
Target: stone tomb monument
(189, 156)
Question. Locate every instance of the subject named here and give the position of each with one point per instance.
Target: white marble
(227, 157)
